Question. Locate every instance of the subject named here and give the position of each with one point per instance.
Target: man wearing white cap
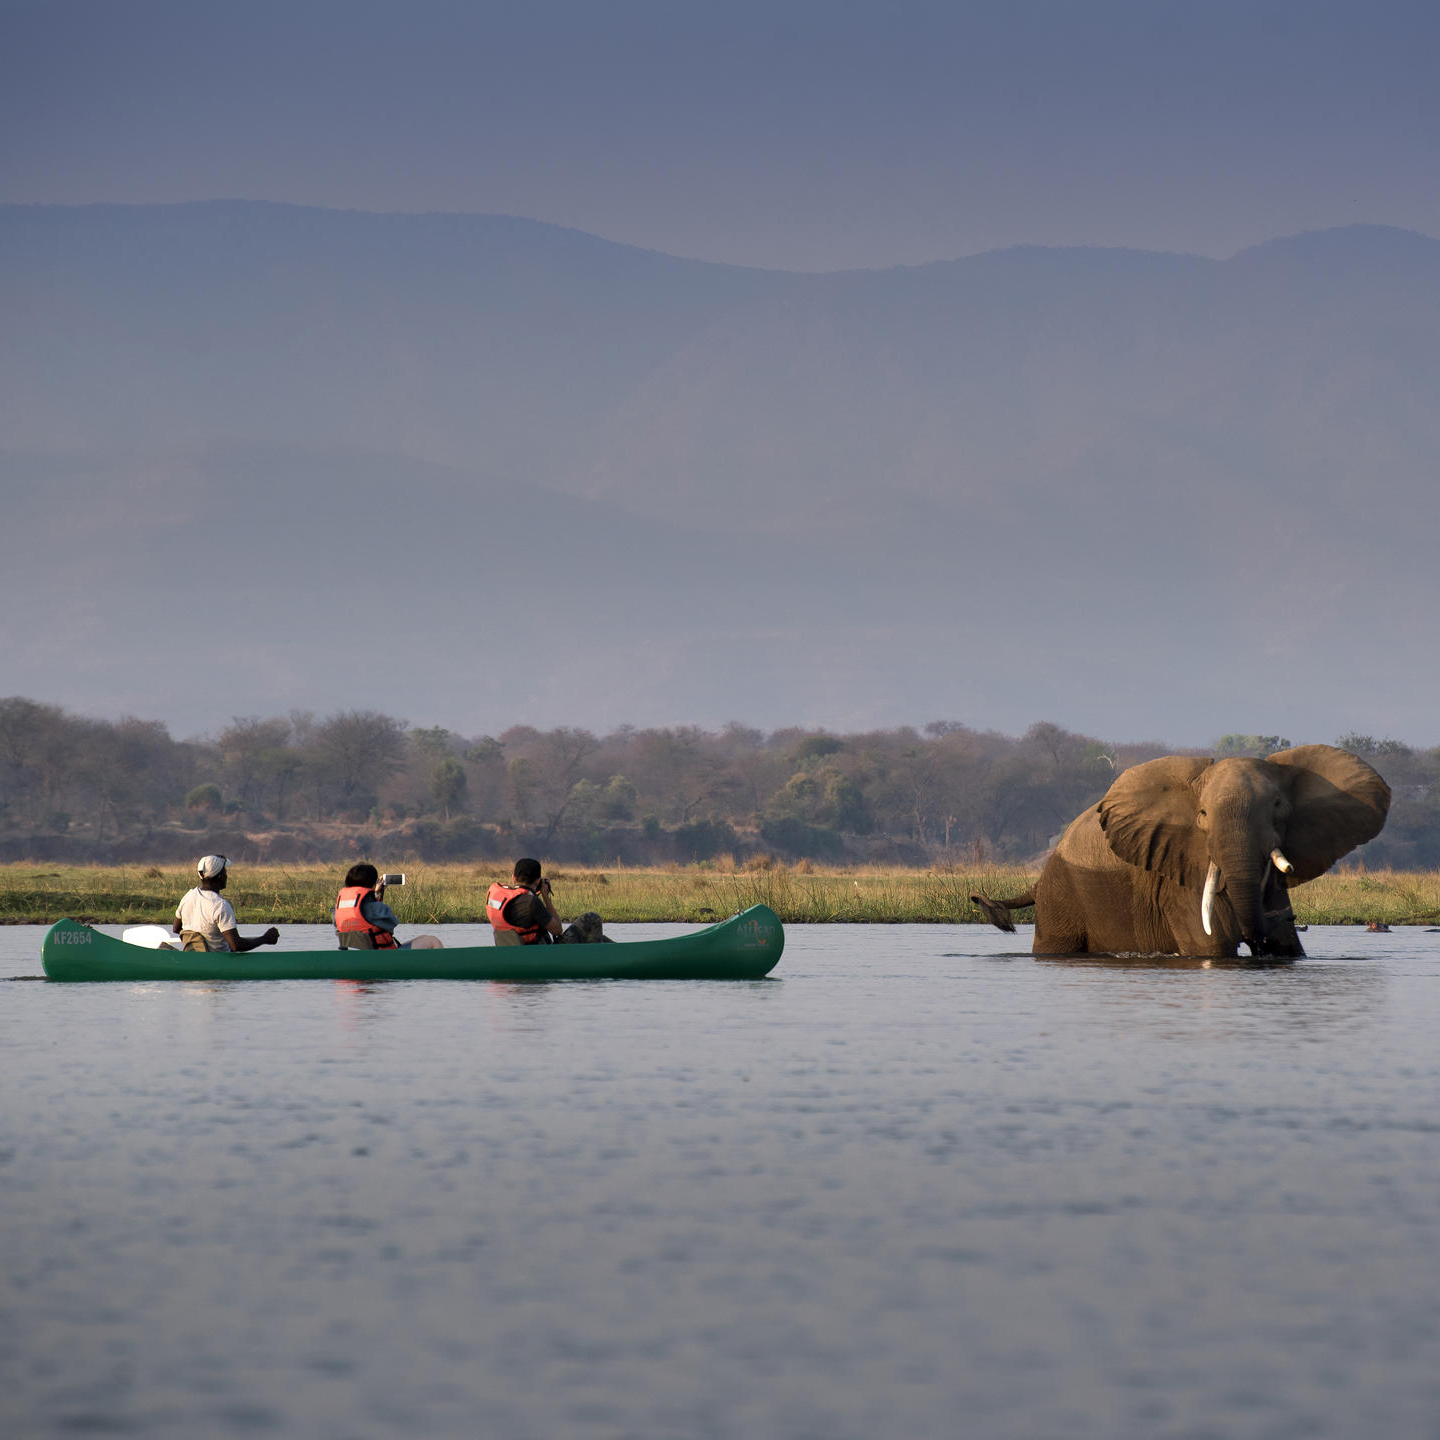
(204, 919)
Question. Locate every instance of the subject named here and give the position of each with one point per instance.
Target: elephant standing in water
(1193, 857)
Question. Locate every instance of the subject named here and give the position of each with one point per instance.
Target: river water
(917, 1184)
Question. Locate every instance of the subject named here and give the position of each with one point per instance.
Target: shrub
(798, 840)
(703, 839)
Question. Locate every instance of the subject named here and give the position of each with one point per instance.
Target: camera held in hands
(391, 880)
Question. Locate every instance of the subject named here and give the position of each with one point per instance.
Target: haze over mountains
(518, 473)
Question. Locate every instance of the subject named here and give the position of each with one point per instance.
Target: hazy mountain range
(479, 470)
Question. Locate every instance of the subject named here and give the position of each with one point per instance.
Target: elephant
(1186, 856)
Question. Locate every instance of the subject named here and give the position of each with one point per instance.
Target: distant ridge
(1364, 244)
(457, 221)
(1355, 238)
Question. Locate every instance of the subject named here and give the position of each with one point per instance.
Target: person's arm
(533, 908)
(554, 925)
(240, 943)
(377, 912)
(225, 924)
(176, 926)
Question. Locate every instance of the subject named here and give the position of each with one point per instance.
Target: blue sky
(798, 135)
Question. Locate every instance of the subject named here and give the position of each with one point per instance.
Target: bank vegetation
(454, 894)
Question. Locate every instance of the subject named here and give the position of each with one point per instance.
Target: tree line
(301, 787)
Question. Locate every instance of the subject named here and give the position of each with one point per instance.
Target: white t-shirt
(209, 913)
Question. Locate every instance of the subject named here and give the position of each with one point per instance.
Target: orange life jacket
(349, 920)
(500, 896)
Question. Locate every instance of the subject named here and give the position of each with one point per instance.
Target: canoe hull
(745, 947)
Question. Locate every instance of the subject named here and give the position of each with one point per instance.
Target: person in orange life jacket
(204, 919)
(363, 921)
(522, 913)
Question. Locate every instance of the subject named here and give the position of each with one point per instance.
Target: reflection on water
(909, 1186)
(1165, 962)
(357, 1002)
(1294, 996)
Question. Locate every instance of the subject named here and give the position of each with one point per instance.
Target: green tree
(617, 799)
(132, 768)
(1257, 745)
(358, 749)
(205, 797)
(487, 750)
(559, 757)
(484, 759)
(448, 784)
(244, 745)
(818, 747)
(433, 743)
(37, 749)
(1368, 747)
(680, 774)
(844, 807)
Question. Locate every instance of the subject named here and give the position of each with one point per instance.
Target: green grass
(455, 894)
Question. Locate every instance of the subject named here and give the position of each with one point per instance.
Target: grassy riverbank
(455, 894)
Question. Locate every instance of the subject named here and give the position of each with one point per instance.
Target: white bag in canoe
(152, 937)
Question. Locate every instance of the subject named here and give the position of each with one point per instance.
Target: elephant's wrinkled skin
(1130, 875)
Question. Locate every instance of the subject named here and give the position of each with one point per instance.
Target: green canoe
(745, 947)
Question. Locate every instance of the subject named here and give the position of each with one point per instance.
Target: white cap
(210, 866)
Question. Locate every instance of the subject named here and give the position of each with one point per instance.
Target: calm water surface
(916, 1185)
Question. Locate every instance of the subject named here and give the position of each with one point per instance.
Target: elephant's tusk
(1281, 863)
(1207, 900)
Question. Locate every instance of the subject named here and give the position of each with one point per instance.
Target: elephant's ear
(1148, 816)
(1337, 802)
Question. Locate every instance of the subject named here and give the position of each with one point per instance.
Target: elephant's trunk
(1246, 895)
(1258, 899)
(1243, 882)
